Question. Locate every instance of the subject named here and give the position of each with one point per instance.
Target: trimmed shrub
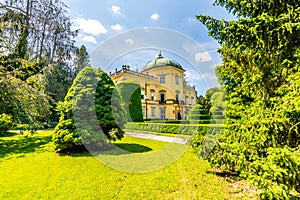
(94, 102)
(185, 129)
(198, 113)
(131, 100)
(5, 123)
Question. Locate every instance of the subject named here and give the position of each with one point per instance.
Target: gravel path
(157, 137)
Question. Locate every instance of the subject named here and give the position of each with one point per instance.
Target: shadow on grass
(22, 145)
(8, 134)
(133, 148)
(226, 174)
(108, 149)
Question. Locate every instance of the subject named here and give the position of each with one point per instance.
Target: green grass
(30, 169)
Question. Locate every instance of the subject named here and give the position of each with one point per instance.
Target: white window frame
(152, 95)
(177, 79)
(163, 113)
(162, 79)
(153, 110)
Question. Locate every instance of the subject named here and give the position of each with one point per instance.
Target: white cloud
(91, 39)
(192, 20)
(208, 76)
(129, 41)
(116, 10)
(116, 27)
(202, 57)
(90, 26)
(155, 16)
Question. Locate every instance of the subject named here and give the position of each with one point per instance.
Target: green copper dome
(160, 61)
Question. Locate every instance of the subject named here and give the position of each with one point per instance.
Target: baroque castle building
(165, 92)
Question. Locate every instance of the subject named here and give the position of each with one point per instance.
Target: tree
(260, 54)
(131, 100)
(39, 32)
(81, 60)
(23, 98)
(36, 30)
(92, 94)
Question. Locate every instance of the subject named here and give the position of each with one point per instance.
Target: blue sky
(101, 20)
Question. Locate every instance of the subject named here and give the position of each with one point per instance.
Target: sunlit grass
(30, 169)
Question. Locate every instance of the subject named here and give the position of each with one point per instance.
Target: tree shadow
(133, 148)
(23, 145)
(8, 134)
(226, 174)
(108, 149)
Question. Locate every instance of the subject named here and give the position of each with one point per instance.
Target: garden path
(157, 137)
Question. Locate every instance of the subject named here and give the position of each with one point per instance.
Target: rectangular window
(143, 110)
(163, 113)
(162, 97)
(186, 100)
(193, 100)
(162, 79)
(177, 80)
(143, 94)
(152, 95)
(152, 112)
(177, 98)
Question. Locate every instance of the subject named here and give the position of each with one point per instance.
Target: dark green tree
(131, 100)
(81, 59)
(260, 54)
(91, 114)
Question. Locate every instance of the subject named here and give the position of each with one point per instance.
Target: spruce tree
(90, 114)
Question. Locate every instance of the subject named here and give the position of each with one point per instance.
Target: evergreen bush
(95, 103)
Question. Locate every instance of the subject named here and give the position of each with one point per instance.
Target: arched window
(162, 95)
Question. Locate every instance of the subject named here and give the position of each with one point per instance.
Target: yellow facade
(165, 94)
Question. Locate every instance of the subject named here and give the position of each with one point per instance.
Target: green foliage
(34, 44)
(131, 100)
(210, 92)
(185, 129)
(5, 123)
(260, 76)
(96, 106)
(277, 174)
(198, 112)
(22, 92)
(218, 103)
(81, 60)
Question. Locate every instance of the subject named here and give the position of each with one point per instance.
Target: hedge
(185, 129)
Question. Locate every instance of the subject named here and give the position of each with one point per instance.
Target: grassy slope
(30, 169)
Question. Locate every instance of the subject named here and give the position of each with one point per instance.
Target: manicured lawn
(30, 169)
